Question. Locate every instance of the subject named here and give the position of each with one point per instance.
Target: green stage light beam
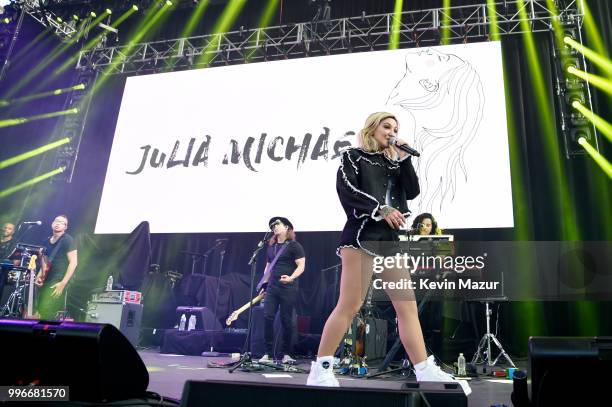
(492, 15)
(570, 229)
(55, 92)
(92, 42)
(143, 27)
(593, 34)
(191, 25)
(445, 37)
(21, 120)
(31, 44)
(599, 159)
(195, 17)
(32, 153)
(604, 127)
(597, 81)
(264, 21)
(223, 24)
(85, 26)
(396, 25)
(603, 62)
(268, 14)
(36, 180)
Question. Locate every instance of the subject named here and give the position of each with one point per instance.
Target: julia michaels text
(251, 154)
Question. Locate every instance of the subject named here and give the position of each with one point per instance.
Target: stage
(168, 374)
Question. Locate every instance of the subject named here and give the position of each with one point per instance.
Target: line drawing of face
(443, 97)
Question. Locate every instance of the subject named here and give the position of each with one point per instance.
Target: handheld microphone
(404, 147)
(36, 222)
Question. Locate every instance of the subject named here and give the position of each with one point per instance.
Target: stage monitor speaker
(239, 394)
(95, 361)
(126, 317)
(568, 370)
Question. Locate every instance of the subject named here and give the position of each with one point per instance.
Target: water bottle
(109, 283)
(183, 321)
(461, 365)
(192, 323)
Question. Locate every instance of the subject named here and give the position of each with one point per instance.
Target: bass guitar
(234, 315)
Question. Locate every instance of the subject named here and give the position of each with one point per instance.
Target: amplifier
(125, 317)
(118, 296)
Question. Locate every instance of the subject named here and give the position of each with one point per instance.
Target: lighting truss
(64, 29)
(367, 32)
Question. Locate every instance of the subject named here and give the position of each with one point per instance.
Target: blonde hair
(365, 137)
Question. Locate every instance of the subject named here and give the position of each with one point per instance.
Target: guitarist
(285, 262)
(61, 252)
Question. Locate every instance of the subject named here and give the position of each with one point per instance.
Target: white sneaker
(322, 373)
(288, 360)
(265, 358)
(432, 373)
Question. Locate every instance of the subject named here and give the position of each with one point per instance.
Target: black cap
(284, 220)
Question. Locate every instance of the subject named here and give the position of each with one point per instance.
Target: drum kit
(21, 271)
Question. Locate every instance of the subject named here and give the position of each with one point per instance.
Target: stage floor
(168, 373)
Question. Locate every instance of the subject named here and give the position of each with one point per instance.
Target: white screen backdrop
(188, 153)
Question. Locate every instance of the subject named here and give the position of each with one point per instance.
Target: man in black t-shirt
(7, 244)
(285, 262)
(7, 241)
(61, 252)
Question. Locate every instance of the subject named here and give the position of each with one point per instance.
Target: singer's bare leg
(355, 278)
(409, 326)
(353, 288)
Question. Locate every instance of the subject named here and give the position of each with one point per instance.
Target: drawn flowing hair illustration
(444, 99)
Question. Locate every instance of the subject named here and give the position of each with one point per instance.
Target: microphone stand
(220, 243)
(246, 359)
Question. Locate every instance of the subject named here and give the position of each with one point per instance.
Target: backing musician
(61, 253)
(285, 263)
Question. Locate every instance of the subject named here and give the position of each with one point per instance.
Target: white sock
(329, 359)
(421, 365)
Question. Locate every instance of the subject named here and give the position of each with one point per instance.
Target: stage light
(32, 153)
(134, 7)
(396, 25)
(548, 130)
(492, 14)
(6, 20)
(59, 20)
(92, 14)
(195, 17)
(75, 17)
(223, 24)
(603, 163)
(602, 124)
(595, 80)
(108, 11)
(35, 180)
(168, 3)
(600, 60)
(20, 120)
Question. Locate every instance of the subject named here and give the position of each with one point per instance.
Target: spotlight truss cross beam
(366, 32)
(63, 29)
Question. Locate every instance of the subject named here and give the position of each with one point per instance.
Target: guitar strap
(268, 272)
(53, 253)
